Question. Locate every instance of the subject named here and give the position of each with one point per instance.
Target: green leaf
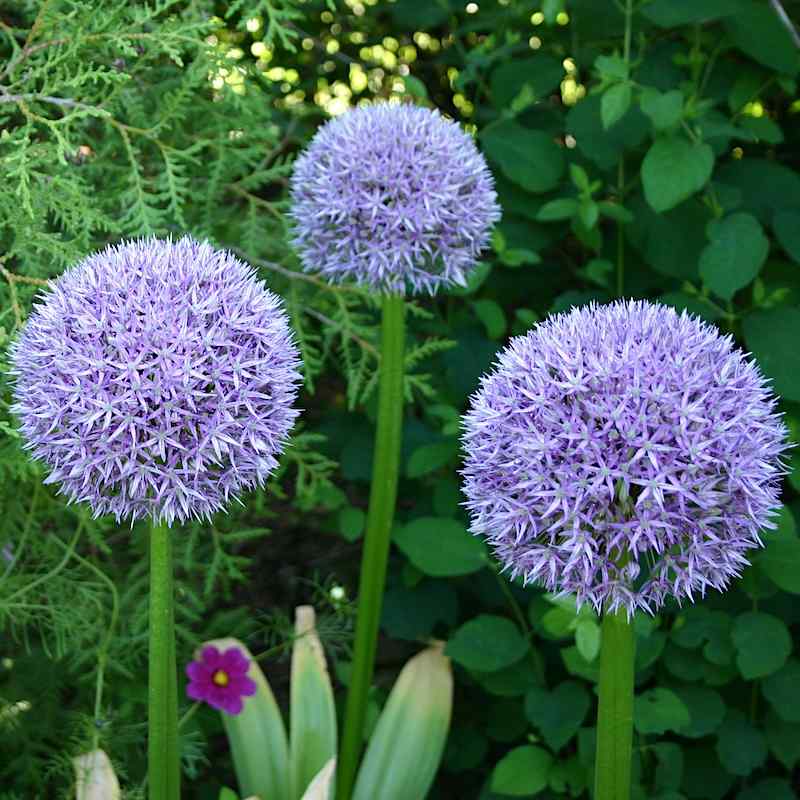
(466, 749)
(784, 740)
(599, 271)
(780, 559)
(762, 642)
(551, 9)
(611, 68)
(772, 336)
(615, 211)
(492, 316)
(487, 643)
(257, 736)
(578, 666)
(414, 16)
(758, 32)
(522, 772)
(415, 87)
(227, 794)
(673, 170)
(674, 13)
(659, 710)
(579, 177)
(669, 770)
(557, 714)
(697, 625)
(95, 778)
(787, 230)
(351, 523)
(763, 129)
(605, 147)
(587, 639)
(312, 734)
(540, 73)
(527, 157)
(711, 629)
(670, 243)
(568, 777)
(588, 213)
(505, 721)
(429, 457)
(681, 301)
(706, 710)
(558, 622)
(767, 188)
(513, 681)
(794, 471)
(517, 256)
(688, 665)
(782, 690)
(740, 746)
(735, 254)
(406, 747)
(649, 649)
(768, 789)
(616, 100)
(441, 547)
(447, 497)
(321, 786)
(719, 130)
(703, 776)
(475, 280)
(664, 110)
(560, 208)
(412, 612)
(590, 238)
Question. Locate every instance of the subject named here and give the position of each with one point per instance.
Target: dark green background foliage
(645, 149)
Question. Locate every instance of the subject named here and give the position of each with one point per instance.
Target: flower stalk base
(163, 766)
(380, 515)
(612, 770)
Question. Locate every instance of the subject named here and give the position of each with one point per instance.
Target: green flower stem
(162, 694)
(383, 493)
(612, 769)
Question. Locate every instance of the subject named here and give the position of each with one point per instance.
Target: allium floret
(624, 454)
(156, 379)
(392, 196)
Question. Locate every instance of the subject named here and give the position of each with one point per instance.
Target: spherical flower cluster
(623, 453)
(392, 197)
(156, 379)
(220, 679)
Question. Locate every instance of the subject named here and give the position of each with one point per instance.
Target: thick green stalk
(383, 494)
(626, 55)
(162, 694)
(612, 769)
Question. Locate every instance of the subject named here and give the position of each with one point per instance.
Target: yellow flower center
(220, 677)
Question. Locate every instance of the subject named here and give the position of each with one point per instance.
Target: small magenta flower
(156, 379)
(220, 679)
(392, 196)
(623, 453)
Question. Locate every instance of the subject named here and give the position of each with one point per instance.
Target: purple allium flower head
(156, 379)
(220, 678)
(392, 196)
(623, 453)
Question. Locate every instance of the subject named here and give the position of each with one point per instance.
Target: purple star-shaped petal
(156, 379)
(623, 453)
(393, 197)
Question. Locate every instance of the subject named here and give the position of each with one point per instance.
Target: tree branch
(45, 98)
